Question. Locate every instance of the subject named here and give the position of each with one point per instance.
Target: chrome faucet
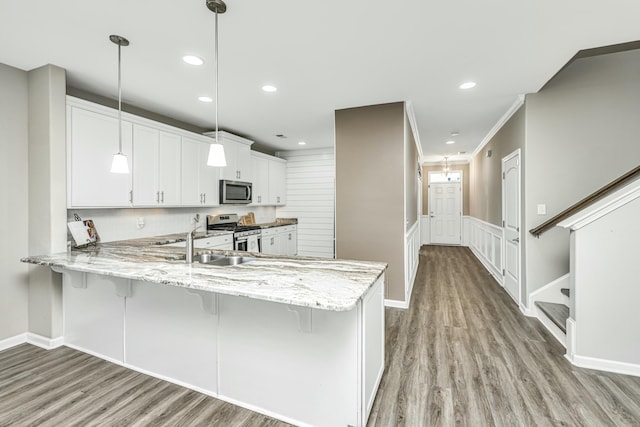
(189, 248)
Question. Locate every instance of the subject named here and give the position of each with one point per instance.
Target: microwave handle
(248, 193)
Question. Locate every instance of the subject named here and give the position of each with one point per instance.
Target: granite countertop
(279, 222)
(321, 283)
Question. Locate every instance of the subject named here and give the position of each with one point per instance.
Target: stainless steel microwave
(235, 192)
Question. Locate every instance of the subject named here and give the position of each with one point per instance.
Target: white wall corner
(44, 342)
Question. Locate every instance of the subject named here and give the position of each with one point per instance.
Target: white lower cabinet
(172, 335)
(224, 243)
(301, 365)
(269, 242)
(280, 240)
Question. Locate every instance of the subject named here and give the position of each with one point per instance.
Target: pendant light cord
(216, 61)
(119, 100)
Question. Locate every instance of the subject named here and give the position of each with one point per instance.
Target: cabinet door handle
(289, 236)
(157, 197)
(204, 198)
(272, 241)
(130, 196)
(162, 198)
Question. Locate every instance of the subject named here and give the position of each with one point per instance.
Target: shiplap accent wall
(311, 199)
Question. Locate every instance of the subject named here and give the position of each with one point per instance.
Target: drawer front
(211, 242)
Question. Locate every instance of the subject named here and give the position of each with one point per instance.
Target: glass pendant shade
(119, 164)
(216, 156)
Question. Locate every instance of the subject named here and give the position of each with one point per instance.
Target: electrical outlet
(140, 224)
(542, 209)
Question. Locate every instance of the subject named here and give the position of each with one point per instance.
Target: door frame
(428, 215)
(508, 157)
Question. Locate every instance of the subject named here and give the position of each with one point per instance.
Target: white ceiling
(322, 56)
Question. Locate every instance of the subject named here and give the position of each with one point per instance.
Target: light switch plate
(542, 209)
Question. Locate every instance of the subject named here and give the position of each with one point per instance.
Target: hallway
(464, 354)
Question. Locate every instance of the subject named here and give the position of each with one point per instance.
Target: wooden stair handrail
(593, 197)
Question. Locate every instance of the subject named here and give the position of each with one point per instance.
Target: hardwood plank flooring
(463, 354)
(481, 362)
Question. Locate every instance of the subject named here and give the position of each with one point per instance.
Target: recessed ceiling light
(192, 60)
(302, 143)
(467, 85)
(455, 133)
(281, 135)
(450, 142)
(204, 99)
(269, 88)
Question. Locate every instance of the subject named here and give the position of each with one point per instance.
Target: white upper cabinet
(237, 151)
(199, 181)
(92, 140)
(156, 167)
(260, 172)
(169, 167)
(277, 182)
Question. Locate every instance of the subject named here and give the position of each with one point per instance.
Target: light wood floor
(463, 354)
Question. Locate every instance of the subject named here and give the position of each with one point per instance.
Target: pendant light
(216, 150)
(119, 164)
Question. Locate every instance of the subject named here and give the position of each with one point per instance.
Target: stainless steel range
(245, 237)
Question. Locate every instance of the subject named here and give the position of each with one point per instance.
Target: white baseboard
(31, 338)
(551, 327)
(487, 266)
(396, 304)
(44, 342)
(605, 365)
(13, 341)
(529, 312)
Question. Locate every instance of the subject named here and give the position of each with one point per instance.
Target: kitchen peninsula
(299, 339)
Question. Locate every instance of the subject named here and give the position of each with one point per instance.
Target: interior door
(445, 212)
(511, 223)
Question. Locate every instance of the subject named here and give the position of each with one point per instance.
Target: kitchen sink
(221, 260)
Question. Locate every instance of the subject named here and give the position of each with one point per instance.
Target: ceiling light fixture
(302, 143)
(216, 150)
(450, 142)
(269, 88)
(205, 99)
(468, 85)
(445, 169)
(193, 60)
(455, 133)
(119, 163)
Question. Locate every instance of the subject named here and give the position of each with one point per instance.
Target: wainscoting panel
(485, 241)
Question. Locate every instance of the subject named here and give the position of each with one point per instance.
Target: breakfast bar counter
(299, 339)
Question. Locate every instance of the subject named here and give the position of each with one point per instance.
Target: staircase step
(566, 291)
(558, 313)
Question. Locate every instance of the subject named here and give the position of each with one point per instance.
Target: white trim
(551, 291)
(414, 127)
(599, 209)
(396, 304)
(33, 339)
(571, 340)
(605, 365)
(483, 239)
(501, 122)
(13, 341)
(550, 326)
(411, 258)
(520, 229)
(44, 342)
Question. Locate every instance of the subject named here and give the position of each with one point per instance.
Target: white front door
(445, 212)
(511, 223)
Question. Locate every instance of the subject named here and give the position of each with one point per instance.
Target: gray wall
(582, 132)
(47, 194)
(369, 188)
(14, 134)
(485, 192)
